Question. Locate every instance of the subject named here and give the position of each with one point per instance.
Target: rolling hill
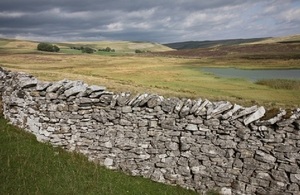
(121, 46)
(231, 42)
(286, 48)
(207, 44)
(285, 39)
(25, 46)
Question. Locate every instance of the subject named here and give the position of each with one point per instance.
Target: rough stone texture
(192, 127)
(26, 82)
(74, 90)
(260, 112)
(196, 144)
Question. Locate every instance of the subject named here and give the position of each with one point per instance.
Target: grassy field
(120, 46)
(169, 76)
(30, 167)
(281, 83)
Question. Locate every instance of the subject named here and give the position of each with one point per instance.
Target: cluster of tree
(84, 49)
(47, 47)
(91, 50)
(77, 48)
(140, 51)
(88, 50)
(107, 49)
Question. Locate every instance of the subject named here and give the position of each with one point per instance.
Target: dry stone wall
(196, 144)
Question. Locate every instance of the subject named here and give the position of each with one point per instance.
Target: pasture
(165, 75)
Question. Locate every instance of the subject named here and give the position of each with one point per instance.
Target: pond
(254, 75)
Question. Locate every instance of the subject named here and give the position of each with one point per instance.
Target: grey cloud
(159, 21)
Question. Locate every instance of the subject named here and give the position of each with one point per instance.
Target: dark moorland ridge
(207, 44)
(280, 50)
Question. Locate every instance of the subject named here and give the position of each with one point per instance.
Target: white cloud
(114, 26)
(7, 14)
(271, 9)
(59, 13)
(292, 15)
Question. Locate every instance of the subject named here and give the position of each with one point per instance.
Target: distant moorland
(161, 69)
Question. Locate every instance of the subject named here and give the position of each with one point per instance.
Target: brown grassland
(167, 73)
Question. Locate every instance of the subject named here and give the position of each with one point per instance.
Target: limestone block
(226, 191)
(191, 127)
(55, 86)
(201, 107)
(74, 90)
(41, 86)
(244, 112)
(221, 108)
(26, 82)
(186, 108)
(196, 105)
(154, 101)
(126, 109)
(169, 104)
(212, 122)
(178, 106)
(255, 116)
(264, 157)
(95, 88)
(108, 162)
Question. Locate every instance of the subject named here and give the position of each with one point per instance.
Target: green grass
(30, 167)
(280, 83)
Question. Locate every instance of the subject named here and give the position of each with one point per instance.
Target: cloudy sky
(147, 20)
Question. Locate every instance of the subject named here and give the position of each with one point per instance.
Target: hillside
(207, 44)
(24, 46)
(279, 50)
(232, 42)
(285, 39)
(121, 46)
(17, 46)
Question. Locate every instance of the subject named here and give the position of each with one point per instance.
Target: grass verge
(30, 167)
(280, 83)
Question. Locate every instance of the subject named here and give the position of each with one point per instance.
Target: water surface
(254, 75)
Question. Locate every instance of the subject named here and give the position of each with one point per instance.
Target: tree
(87, 50)
(47, 47)
(107, 49)
(138, 51)
(55, 48)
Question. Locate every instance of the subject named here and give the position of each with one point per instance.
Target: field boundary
(197, 144)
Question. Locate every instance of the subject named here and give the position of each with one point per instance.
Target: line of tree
(140, 51)
(107, 49)
(91, 50)
(88, 50)
(84, 49)
(47, 47)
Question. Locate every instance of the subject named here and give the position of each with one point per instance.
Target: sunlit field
(169, 76)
